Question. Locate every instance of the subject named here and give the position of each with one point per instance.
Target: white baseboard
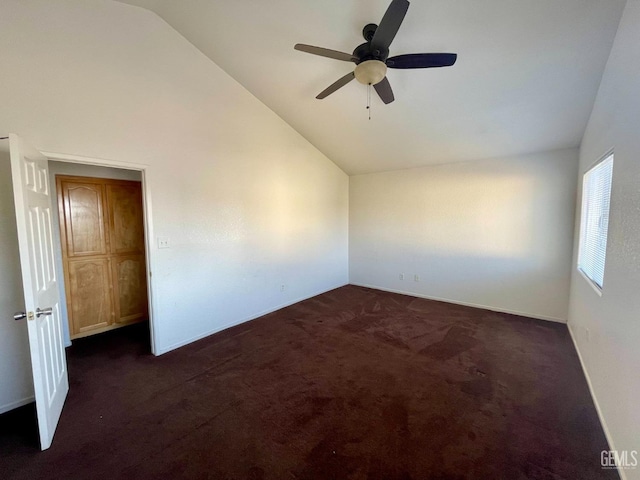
(603, 422)
(466, 304)
(247, 319)
(16, 404)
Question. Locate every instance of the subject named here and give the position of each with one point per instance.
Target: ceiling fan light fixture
(371, 72)
(372, 58)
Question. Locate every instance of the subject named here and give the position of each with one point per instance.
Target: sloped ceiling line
(525, 81)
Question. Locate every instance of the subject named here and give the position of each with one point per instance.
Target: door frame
(147, 219)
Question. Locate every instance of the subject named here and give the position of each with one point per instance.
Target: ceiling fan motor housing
(366, 52)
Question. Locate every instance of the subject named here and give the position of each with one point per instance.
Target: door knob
(44, 311)
(19, 316)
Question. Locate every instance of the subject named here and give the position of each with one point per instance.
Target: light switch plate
(163, 242)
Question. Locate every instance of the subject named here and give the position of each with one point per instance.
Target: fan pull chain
(369, 100)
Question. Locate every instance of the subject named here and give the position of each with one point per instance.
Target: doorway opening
(103, 263)
(34, 276)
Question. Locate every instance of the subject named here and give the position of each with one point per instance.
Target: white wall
(16, 387)
(494, 233)
(611, 351)
(247, 203)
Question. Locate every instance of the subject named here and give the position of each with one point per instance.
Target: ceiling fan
(372, 58)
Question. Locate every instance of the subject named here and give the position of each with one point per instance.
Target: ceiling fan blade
(384, 90)
(325, 52)
(422, 60)
(336, 85)
(390, 24)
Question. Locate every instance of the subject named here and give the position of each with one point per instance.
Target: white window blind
(596, 193)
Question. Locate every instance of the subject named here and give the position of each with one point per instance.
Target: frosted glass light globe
(370, 72)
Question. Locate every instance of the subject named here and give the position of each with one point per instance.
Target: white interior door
(30, 174)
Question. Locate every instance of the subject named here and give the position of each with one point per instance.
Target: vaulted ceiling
(525, 81)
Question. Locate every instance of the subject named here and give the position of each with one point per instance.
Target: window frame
(608, 158)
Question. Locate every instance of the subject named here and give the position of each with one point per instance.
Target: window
(596, 192)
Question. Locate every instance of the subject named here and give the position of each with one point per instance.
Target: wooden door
(102, 233)
(127, 251)
(30, 175)
(83, 234)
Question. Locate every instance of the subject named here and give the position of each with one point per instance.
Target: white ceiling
(525, 80)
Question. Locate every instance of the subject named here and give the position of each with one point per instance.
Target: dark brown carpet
(352, 384)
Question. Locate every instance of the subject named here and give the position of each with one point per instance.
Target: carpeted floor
(352, 384)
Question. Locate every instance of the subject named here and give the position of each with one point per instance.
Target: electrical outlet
(402, 276)
(416, 278)
(283, 288)
(163, 242)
